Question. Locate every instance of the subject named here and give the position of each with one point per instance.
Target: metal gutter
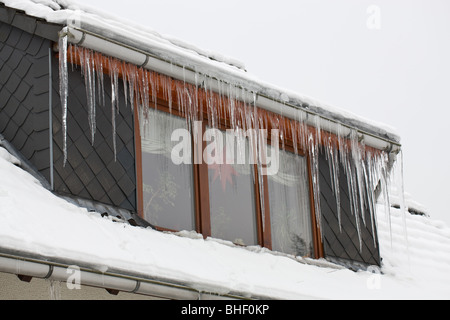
(38, 268)
(153, 61)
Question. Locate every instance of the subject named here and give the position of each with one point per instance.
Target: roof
(188, 57)
(38, 228)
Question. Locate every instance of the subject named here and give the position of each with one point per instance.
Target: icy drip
(114, 76)
(370, 191)
(354, 176)
(87, 63)
(399, 183)
(367, 173)
(63, 89)
(54, 289)
(331, 151)
(100, 82)
(314, 136)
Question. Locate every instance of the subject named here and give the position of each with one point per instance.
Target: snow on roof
(67, 12)
(40, 226)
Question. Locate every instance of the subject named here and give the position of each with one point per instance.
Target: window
(226, 198)
(168, 199)
(232, 191)
(289, 200)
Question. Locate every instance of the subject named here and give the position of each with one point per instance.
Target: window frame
(200, 172)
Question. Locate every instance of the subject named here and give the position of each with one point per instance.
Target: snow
(214, 65)
(35, 221)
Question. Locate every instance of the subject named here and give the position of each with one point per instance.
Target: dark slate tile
(74, 157)
(14, 59)
(6, 53)
(13, 83)
(5, 30)
(34, 46)
(11, 130)
(125, 158)
(22, 91)
(24, 41)
(84, 173)
(20, 139)
(95, 163)
(7, 15)
(41, 120)
(41, 140)
(95, 190)
(13, 37)
(41, 159)
(116, 170)
(126, 185)
(24, 22)
(12, 105)
(84, 146)
(116, 195)
(40, 68)
(23, 68)
(7, 107)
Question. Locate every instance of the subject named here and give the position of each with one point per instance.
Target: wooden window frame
(201, 181)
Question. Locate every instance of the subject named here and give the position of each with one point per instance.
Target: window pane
(290, 213)
(232, 195)
(168, 187)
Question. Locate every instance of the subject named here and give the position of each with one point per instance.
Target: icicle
(124, 69)
(132, 86)
(89, 81)
(63, 88)
(100, 82)
(399, 180)
(384, 183)
(114, 75)
(71, 49)
(54, 289)
(333, 163)
(352, 176)
(313, 149)
(357, 151)
(370, 191)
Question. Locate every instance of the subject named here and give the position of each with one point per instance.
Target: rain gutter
(28, 267)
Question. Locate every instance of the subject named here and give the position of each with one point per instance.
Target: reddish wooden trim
(317, 238)
(258, 210)
(267, 232)
(202, 189)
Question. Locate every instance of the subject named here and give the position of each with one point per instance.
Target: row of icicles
(366, 168)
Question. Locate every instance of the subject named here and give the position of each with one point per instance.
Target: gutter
(159, 62)
(27, 268)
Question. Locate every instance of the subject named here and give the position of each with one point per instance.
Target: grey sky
(398, 74)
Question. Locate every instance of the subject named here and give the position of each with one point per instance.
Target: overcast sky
(388, 61)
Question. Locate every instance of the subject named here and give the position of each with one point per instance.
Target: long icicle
(63, 87)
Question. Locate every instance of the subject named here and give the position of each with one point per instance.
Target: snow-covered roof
(416, 268)
(167, 48)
